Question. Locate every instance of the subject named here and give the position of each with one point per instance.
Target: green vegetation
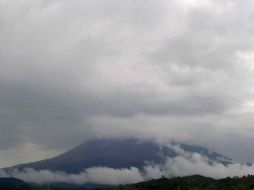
(195, 182)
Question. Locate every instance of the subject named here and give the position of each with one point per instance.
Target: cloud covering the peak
(74, 70)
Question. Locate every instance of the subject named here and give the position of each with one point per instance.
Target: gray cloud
(70, 71)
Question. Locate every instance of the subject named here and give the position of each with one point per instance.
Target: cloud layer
(73, 70)
(96, 175)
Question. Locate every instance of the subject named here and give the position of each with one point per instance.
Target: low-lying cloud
(97, 175)
(189, 163)
(186, 163)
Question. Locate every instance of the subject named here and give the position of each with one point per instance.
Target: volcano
(117, 153)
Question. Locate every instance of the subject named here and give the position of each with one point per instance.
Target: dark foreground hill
(13, 184)
(195, 182)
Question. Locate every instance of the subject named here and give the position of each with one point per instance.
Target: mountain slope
(116, 153)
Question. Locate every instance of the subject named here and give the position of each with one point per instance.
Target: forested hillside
(195, 182)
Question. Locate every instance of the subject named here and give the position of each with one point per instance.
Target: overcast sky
(80, 69)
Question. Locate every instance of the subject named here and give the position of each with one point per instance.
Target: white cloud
(97, 175)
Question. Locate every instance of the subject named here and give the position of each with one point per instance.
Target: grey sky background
(73, 70)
